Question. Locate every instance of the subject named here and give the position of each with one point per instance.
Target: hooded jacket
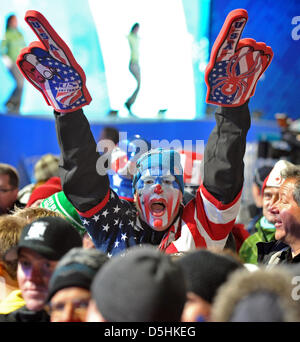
(259, 296)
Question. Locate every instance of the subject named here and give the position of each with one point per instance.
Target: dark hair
(8, 21)
(110, 133)
(135, 25)
(6, 169)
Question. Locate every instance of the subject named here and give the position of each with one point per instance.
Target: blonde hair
(33, 213)
(10, 230)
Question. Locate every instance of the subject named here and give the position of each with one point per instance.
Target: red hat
(45, 190)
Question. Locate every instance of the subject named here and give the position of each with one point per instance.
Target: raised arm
(51, 67)
(231, 76)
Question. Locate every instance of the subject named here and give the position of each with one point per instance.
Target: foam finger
(48, 36)
(229, 36)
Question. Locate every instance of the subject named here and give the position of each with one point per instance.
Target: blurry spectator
(145, 285)
(259, 296)
(110, 133)
(264, 227)
(12, 43)
(42, 244)
(255, 210)
(10, 295)
(69, 286)
(286, 247)
(59, 203)
(205, 271)
(50, 187)
(134, 66)
(9, 186)
(45, 168)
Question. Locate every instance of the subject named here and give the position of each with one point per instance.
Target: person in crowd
(159, 217)
(259, 296)
(144, 285)
(45, 168)
(50, 187)
(12, 43)
(256, 209)
(59, 203)
(41, 245)
(285, 249)
(30, 214)
(10, 294)
(134, 66)
(9, 187)
(205, 271)
(69, 286)
(110, 133)
(265, 228)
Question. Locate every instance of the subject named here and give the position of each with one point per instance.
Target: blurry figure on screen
(12, 43)
(134, 66)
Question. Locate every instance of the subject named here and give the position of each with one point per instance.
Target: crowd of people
(75, 249)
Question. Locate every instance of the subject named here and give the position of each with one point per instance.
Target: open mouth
(157, 207)
(278, 223)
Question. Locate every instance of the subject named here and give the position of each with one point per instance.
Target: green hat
(58, 202)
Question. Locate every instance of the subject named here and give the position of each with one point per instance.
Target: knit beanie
(51, 237)
(206, 271)
(45, 190)
(77, 268)
(161, 159)
(260, 306)
(58, 202)
(144, 285)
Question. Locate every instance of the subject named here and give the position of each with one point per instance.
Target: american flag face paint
(158, 198)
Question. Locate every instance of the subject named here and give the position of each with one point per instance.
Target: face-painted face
(158, 198)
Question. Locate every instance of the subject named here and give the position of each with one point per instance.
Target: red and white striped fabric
(205, 222)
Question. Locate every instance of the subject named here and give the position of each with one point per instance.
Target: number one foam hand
(235, 65)
(51, 67)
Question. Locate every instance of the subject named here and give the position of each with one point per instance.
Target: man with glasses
(42, 244)
(9, 187)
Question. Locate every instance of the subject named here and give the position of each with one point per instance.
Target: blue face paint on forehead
(160, 162)
(161, 179)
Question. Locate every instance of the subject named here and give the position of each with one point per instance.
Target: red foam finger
(51, 42)
(265, 56)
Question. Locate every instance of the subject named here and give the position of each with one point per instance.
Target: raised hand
(51, 67)
(235, 65)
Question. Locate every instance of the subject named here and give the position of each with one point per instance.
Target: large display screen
(173, 54)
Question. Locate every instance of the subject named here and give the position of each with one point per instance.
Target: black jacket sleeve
(82, 184)
(223, 173)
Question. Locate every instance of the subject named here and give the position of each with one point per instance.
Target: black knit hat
(52, 237)
(206, 271)
(77, 268)
(142, 286)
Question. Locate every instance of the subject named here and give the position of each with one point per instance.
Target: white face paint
(158, 198)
